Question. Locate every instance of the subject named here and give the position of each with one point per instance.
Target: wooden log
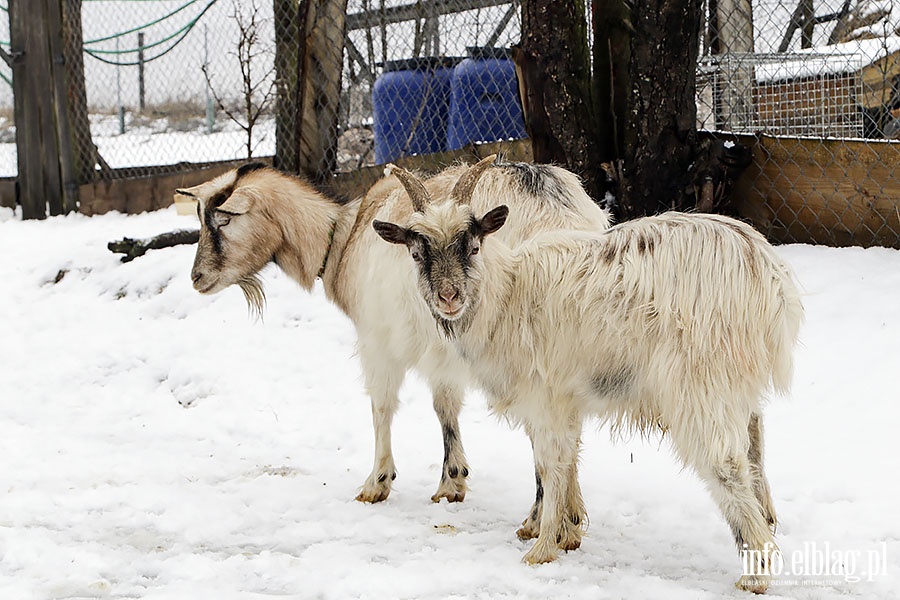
(133, 248)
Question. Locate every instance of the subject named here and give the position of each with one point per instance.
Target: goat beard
(455, 328)
(254, 294)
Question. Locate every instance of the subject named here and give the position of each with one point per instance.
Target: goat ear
(238, 203)
(494, 219)
(390, 232)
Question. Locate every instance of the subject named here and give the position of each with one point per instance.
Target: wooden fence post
(46, 171)
(314, 92)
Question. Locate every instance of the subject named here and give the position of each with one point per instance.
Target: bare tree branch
(258, 90)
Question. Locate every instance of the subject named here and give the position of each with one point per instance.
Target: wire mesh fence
(822, 79)
(172, 81)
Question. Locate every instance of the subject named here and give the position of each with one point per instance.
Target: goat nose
(196, 276)
(448, 294)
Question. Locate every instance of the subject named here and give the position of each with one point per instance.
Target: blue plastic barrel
(484, 99)
(410, 105)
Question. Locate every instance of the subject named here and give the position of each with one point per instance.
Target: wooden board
(152, 192)
(834, 192)
(354, 184)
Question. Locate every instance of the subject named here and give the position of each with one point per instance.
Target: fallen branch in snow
(133, 248)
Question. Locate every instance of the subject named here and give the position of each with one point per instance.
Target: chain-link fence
(171, 81)
(826, 74)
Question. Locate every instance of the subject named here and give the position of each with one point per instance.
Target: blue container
(484, 99)
(410, 105)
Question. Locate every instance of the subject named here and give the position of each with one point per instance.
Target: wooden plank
(27, 32)
(834, 192)
(60, 109)
(8, 192)
(355, 184)
(141, 194)
(409, 12)
(734, 103)
(152, 192)
(40, 61)
(876, 81)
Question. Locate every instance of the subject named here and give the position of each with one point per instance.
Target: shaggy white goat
(676, 323)
(255, 215)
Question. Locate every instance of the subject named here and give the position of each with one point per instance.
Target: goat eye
(222, 219)
(416, 256)
(474, 251)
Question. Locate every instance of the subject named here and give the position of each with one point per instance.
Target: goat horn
(465, 186)
(413, 185)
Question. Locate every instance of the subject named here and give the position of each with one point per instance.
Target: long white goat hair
(676, 323)
(255, 215)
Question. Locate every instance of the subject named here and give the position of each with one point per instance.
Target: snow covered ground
(159, 444)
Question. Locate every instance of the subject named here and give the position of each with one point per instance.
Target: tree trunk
(653, 86)
(321, 62)
(553, 63)
(287, 114)
(84, 153)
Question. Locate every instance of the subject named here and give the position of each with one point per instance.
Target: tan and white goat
(255, 215)
(677, 324)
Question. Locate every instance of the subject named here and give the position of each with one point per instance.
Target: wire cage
(809, 94)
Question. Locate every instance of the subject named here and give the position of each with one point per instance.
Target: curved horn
(413, 185)
(465, 185)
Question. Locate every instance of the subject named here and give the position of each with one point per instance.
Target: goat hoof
(758, 584)
(375, 489)
(454, 490)
(372, 498)
(531, 526)
(451, 497)
(570, 542)
(526, 533)
(541, 553)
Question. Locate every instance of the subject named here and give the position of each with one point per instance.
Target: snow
(848, 57)
(160, 444)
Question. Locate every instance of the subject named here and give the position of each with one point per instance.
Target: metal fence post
(141, 71)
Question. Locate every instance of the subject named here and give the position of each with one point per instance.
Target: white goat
(255, 215)
(676, 323)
